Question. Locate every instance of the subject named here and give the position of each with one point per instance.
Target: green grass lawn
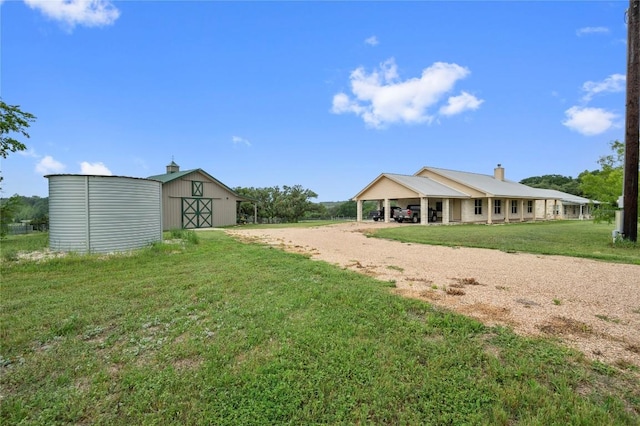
(566, 238)
(215, 331)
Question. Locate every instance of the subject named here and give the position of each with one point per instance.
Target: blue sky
(326, 95)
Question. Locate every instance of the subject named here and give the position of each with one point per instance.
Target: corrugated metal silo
(102, 214)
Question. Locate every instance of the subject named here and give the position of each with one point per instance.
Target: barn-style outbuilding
(195, 199)
(464, 197)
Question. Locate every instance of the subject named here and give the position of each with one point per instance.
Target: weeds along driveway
(592, 306)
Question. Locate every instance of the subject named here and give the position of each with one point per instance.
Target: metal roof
(169, 177)
(426, 186)
(552, 194)
(489, 184)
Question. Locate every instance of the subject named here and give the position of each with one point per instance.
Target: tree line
(275, 204)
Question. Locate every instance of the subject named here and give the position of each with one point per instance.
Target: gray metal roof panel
(426, 186)
(552, 194)
(489, 184)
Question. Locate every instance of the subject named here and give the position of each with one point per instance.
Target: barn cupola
(498, 172)
(173, 167)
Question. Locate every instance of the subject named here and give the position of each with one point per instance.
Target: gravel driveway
(589, 305)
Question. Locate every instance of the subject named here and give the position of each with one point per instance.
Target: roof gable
(426, 186)
(170, 177)
(420, 185)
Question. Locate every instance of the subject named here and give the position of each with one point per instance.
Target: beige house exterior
(464, 197)
(195, 199)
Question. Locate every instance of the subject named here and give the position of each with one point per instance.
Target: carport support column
(387, 210)
(445, 211)
(359, 211)
(424, 210)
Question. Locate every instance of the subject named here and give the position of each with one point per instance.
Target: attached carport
(411, 190)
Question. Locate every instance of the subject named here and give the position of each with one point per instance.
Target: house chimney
(173, 167)
(498, 172)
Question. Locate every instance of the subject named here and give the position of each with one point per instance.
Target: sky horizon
(327, 95)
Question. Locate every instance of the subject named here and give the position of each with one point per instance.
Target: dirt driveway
(590, 305)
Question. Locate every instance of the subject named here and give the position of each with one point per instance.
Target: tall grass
(223, 332)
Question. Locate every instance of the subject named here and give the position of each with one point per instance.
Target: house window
(530, 206)
(478, 206)
(514, 206)
(197, 189)
(497, 206)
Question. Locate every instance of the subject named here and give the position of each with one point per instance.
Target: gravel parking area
(589, 305)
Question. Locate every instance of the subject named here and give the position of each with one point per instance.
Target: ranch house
(464, 197)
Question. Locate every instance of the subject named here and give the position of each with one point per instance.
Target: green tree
(316, 211)
(296, 201)
(265, 198)
(32, 208)
(605, 185)
(13, 120)
(558, 182)
(346, 209)
(288, 204)
(8, 208)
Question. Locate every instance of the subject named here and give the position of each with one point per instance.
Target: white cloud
(381, 98)
(94, 169)
(457, 104)
(612, 84)
(48, 166)
(90, 13)
(29, 153)
(589, 121)
(372, 41)
(238, 140)
(592, 30)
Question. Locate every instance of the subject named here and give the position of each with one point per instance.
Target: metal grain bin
(102, 214)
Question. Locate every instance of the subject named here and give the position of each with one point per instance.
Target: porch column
(387, 210)
(490, 210)
(359, 211)
(445, 210)
(581, 217)
(507, 209)
(521, 207)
